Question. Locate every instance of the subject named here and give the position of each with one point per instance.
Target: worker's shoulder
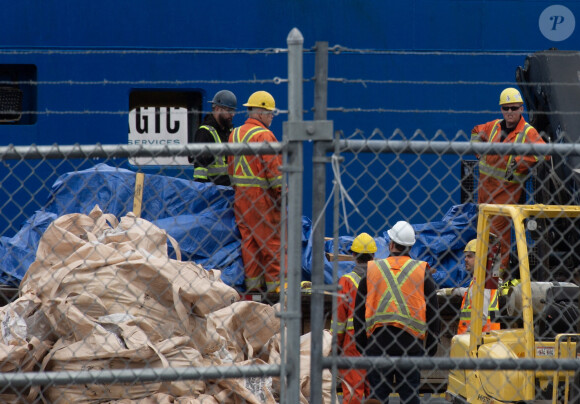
(346, 276)
(529, 128)
(402, 258)
(203, 133)
(205, 128)
(252, 125)
(488, 124)
(531, 133)
(247, 131)
(350, 277)
(264, 134)
(209, 121)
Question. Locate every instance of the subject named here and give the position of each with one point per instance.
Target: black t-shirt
(504, 130)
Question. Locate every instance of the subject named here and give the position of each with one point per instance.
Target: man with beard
(216, 128)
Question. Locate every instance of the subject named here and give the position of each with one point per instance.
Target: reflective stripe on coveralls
(499, 173)
(341, 327)
(353, 380)
(396, 292)
(258, 186)
(218, 167)
(247, 178)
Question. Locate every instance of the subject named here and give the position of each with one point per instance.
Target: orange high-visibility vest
(396, 295)
(465, 315)
(248, 170)
(503, 167)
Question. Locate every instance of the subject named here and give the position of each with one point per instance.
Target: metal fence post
(319, 161)
(321, 80)
(295, 170)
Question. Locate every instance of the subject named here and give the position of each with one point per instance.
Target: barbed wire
(437, 111)
(337, 49)
(362, 81)
(135, 51)
(96, 112)
(285, 111)
(274, 80)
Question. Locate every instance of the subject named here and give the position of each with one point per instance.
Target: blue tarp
(18, 252)
(439, 243)
(199, 216)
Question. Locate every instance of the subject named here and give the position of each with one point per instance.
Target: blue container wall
(132, 45)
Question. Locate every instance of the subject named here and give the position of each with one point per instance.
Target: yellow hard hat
(261, 99)
(364, 244)
(510, 96)
(470, 247)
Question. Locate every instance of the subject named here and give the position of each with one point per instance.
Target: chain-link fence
(373, 170)
(132, 283)
(132, 286)
(515, 296)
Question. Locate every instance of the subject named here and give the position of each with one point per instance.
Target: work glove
(444, 292)
(458, 292)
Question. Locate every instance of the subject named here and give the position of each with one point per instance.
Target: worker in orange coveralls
(502, 178)
(258, 184)
(363, 250)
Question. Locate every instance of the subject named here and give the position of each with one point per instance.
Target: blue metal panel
(412, 24)
(127, 42)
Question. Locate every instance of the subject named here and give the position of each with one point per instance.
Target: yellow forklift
(539, 339)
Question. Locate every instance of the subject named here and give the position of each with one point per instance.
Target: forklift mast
(549, 331)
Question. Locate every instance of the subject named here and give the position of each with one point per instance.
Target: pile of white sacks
(104, 294)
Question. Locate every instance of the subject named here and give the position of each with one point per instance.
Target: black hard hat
(225, 98)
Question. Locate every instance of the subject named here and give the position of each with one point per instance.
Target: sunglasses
(510, 108)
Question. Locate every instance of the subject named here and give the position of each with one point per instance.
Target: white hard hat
(402, 233)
